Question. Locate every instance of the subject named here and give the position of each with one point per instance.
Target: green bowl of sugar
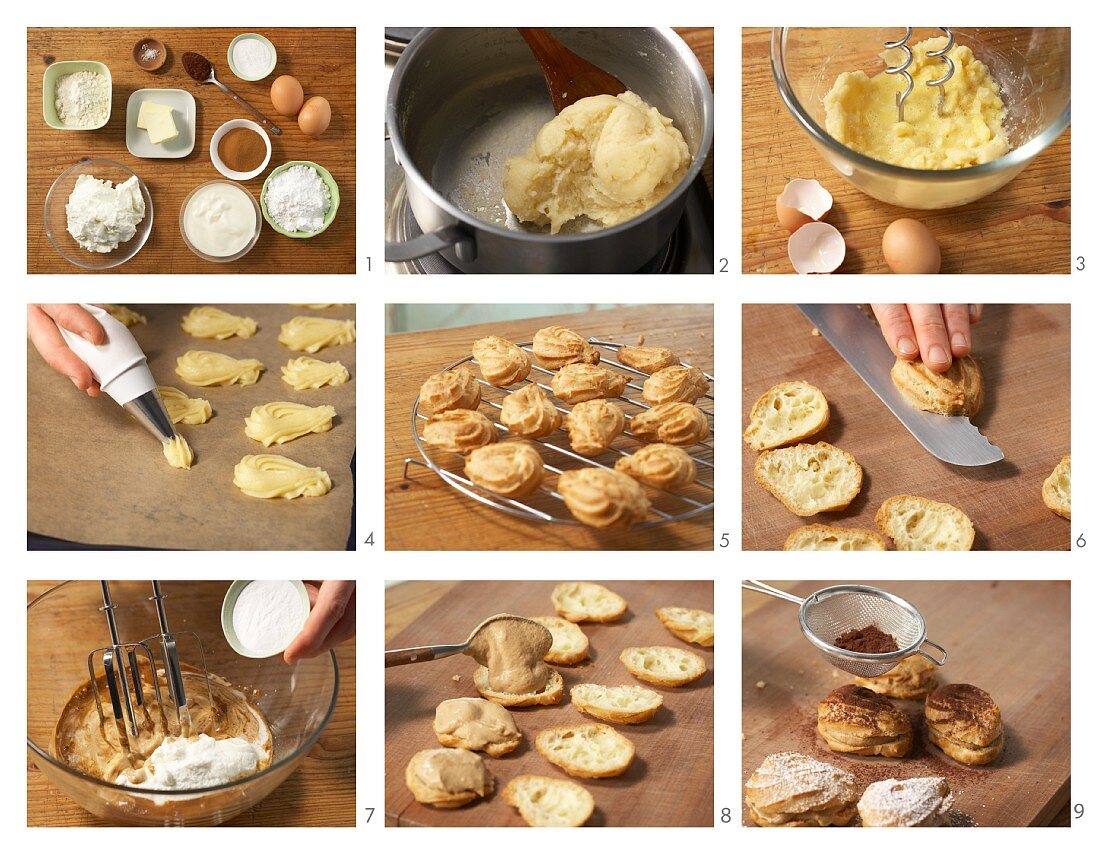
(330, 215)
(261, 617)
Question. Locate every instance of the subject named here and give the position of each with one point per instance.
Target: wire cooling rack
(546, 505)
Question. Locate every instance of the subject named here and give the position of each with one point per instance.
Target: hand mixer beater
(902, 68)
(121, 664)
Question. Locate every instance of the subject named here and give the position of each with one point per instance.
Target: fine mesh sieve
(827, 614)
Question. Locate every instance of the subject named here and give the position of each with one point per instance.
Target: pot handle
(454, 236)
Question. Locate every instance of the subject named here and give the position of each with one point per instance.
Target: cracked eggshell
(816, 248)
(801, 202)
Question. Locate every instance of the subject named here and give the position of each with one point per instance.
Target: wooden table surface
(425, 513)
(1010, 638)
(1024, 354)
(320, 793)
(1022, 228)
(671, 780)
(323, 60)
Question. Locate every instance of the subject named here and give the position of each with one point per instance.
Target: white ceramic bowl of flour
(260, 617)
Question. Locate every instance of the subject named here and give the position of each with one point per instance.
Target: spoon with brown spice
(199, 68)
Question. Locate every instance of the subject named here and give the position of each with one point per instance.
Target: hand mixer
(121, 665)
(902, 68)
(120, 367)
(827, 614)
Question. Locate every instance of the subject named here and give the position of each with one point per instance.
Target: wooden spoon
(568, 76)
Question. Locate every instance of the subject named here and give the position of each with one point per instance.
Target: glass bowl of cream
(220, 221)
(65, 623)
(98, 214)
(1029, 64)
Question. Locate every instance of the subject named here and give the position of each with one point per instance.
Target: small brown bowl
(150, 44)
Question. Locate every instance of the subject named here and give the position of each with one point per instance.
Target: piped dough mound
(609, 158)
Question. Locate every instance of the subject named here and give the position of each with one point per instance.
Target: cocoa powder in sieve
(869, 639)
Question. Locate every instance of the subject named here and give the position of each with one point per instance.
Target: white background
(372, 290)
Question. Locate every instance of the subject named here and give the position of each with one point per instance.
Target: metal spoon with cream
(510, 646)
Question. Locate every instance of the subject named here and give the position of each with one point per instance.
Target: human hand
(42, 323)
(331, 619)
(935, 333)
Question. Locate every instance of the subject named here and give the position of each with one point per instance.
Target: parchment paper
(95, 476)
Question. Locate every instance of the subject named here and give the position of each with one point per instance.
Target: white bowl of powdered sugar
(299, 199)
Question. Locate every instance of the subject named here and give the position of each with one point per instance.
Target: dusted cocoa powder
(869, 639)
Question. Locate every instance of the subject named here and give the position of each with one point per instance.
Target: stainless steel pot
(463, 100)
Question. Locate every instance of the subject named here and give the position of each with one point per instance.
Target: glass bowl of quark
(105, 213)
(1030, 64)
(66, 623)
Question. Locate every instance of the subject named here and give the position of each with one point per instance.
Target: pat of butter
(161, 126)
(148, 107)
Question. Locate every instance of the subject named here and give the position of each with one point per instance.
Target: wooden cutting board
(1010, 638)
(323, 60)
(1024, 227)
(671, 779)
(425, 513)
(1023, 350)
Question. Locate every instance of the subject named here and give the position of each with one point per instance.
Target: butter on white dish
(156, 119)
(606, 157)
(220, 220)
(260, 618)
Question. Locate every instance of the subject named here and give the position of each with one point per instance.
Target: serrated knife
(859, 341)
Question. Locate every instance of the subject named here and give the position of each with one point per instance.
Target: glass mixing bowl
(1032, 64)
(65, 624)
(56, 220)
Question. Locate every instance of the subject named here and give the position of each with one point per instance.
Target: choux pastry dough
(278, 477)
(529, 412)
(675, 384)
(853, 719)
(502, 362)
(955, 393)
(556, 346)
(310, 374)
(678, 423)
(125, 315)
(647, 358)
(212, 323)
(313, 333)
(204, 369)
(660, 465)
(965, 723)
(513, 468)
(318, 306)
(183, 409)
(914, 677)
(593, 425)
(794, 790)
(178, 454)
(448, 391)
(604, 499)
(459, 431)
(282, 422)
(579, 382)
(916, 802)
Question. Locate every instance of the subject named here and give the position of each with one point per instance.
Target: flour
(268, 614)
(198, 763)
(297, 199)
(100, 216)
(83, 99)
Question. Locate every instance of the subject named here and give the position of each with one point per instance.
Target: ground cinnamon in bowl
(869, 639)
(242, 149)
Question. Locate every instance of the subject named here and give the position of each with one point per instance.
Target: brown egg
(287, 95)
(910, 248)
(790, 218)
(315, 117)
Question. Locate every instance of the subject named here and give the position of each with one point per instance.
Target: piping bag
(120, 367)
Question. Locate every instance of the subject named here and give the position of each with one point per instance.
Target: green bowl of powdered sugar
(303, 199)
